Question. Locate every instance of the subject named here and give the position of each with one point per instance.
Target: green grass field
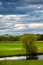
(40, 46)
(22, 62)
(13, 48)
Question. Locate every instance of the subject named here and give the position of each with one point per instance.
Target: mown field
(22, 62)
(14, 48)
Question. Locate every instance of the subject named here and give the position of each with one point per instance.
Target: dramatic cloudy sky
(21, 16)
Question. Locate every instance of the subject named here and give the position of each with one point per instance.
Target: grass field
(13, 48)
(23, 62)
(40, 46)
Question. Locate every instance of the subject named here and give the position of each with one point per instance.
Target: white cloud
(19, 18)
(19, 22)
(41, 11)
(35, 25)
(15, 16)
(33, 18)
(1, 16)
(19, 26)
(28, 26)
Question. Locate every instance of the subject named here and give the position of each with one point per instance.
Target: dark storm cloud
(14, 8)
(21, 16)
(22, 0)
(18, 6)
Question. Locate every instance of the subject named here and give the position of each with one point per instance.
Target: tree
(29, 44)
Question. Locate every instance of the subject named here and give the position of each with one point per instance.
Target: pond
(40, 57)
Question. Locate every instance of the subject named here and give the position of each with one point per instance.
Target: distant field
(40, 46)
(12, 48)
(11, 44)
(22, 62)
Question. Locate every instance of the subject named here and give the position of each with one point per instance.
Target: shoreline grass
(22, 62)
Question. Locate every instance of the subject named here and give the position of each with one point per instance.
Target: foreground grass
(22, 62)
(14, 48)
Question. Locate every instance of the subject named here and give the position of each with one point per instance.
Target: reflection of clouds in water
(40, 57)
(14, 58)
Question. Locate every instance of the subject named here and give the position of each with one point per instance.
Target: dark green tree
(29, 44)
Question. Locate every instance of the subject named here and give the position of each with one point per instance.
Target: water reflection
(31, 57)
(39, 57)
(14, 58)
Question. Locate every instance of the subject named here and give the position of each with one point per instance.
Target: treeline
(40, 37)
(16, 38)
(9, 38)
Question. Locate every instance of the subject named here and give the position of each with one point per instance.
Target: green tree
(29, 44)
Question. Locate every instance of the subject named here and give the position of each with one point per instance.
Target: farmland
(14, 48)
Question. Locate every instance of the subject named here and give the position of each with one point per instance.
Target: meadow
(22, 62)
(14, 48)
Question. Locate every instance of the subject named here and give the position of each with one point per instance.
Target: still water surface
(40, 57)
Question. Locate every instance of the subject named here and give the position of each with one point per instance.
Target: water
(40, 57)
(14, 58)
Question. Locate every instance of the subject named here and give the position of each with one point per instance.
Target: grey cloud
(9, 21)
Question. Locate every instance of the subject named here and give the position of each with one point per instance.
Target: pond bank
(18, 55)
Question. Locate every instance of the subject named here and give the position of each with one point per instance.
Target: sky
(21, 16)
